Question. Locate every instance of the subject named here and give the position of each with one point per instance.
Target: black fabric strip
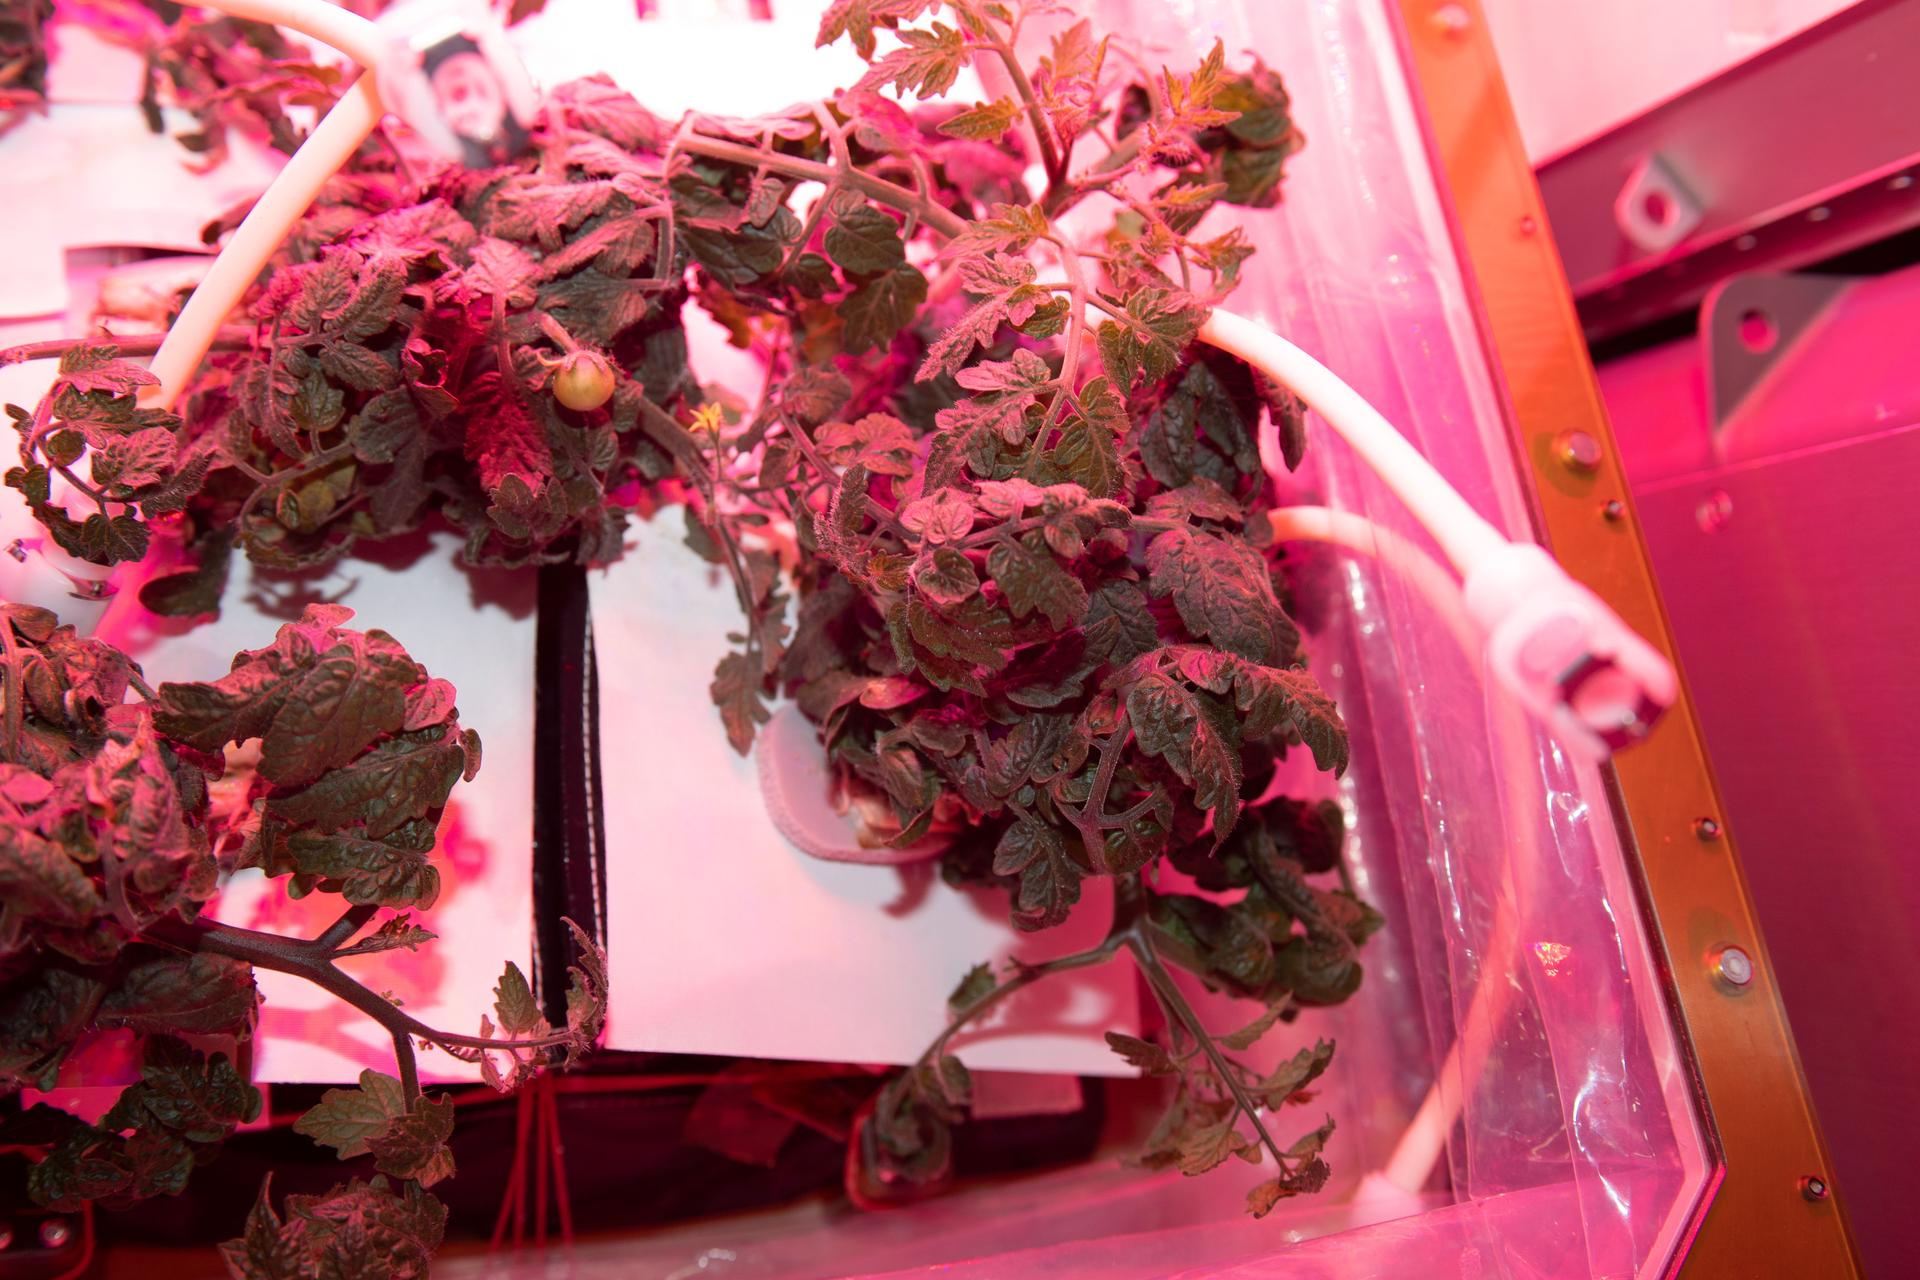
(569, 870)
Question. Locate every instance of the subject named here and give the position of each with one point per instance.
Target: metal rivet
(55, 1232)
(1819, 213)
(1814, 1187)
(1528, 225)
(1452, 20)
(1614, 510)
(1706, 828)
(1578, 450)
(1733, 966)
(1714, 511)
(1746, 242)
(1900, 182)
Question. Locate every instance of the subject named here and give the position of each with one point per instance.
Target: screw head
(1452, 20)
(55, 1232)
(1714, 512)
(1814, 1187)
(1706, 828)
(1614, 510)
(1733, 966)
(1578, 450)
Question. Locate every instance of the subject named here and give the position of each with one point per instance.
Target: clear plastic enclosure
(1512, 1031)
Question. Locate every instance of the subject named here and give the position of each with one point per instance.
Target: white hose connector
(1550, 642)
(1564, 654)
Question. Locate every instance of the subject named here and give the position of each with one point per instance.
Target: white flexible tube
(1462, 532)
(1424, 1140)
(330, 145)
(240, 261)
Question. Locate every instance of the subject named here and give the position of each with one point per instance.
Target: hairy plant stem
(1167, 992)
(15, 688)
(230, 338)
(941, 219)
(1128, 902)
(1092, 819)
(1050, 154)
(1115, 166)
(313, 959)
(1076, 337)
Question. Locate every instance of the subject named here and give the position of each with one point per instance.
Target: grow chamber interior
(1509, 1089)
(1510, 1094)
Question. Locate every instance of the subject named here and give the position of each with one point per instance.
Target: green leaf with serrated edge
(983, 121)
(856, 19)
(1021, 844)
(364, 872)
(1007, 228)
(40, 880)
(736, 691)
(597, 307)
(1264, 1196)
(945, 576)
(881, 307)
(1120, 627)
(1296, 1073)
(1158, 326)
(977, 984)
(1312, 1144)
(197, 994)
(317, 697)
(1024, 372)
(1288, 413)
(1206, 1147)
(1222, 591)
(356, 1231)
(393, 782)
(414, 1143)
(1143, 1055)
(1049, 885)
(513, 1003)
(346, 1119)
(1005, 286)
(865, 241)
(1186, 731)
(96, 367)
(200, 1098)
(1032, 580)
(926, 65)
(879, 441)
(1246, 1037)
(103, 539)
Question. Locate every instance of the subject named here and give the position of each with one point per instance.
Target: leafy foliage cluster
(23, 56)
(121, 805)
(997, 521)
(393, 372)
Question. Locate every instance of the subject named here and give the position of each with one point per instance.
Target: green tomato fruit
(583, 381)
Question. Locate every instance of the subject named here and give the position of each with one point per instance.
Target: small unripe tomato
(583, 381)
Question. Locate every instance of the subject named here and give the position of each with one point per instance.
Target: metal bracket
(1748, 325)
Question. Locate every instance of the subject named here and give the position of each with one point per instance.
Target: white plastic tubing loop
(330, 145)
(1550, 642)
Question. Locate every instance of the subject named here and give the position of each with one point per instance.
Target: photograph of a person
(473, 102)
(460, 90)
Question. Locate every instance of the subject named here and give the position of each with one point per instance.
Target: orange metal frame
(1775, 1210)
